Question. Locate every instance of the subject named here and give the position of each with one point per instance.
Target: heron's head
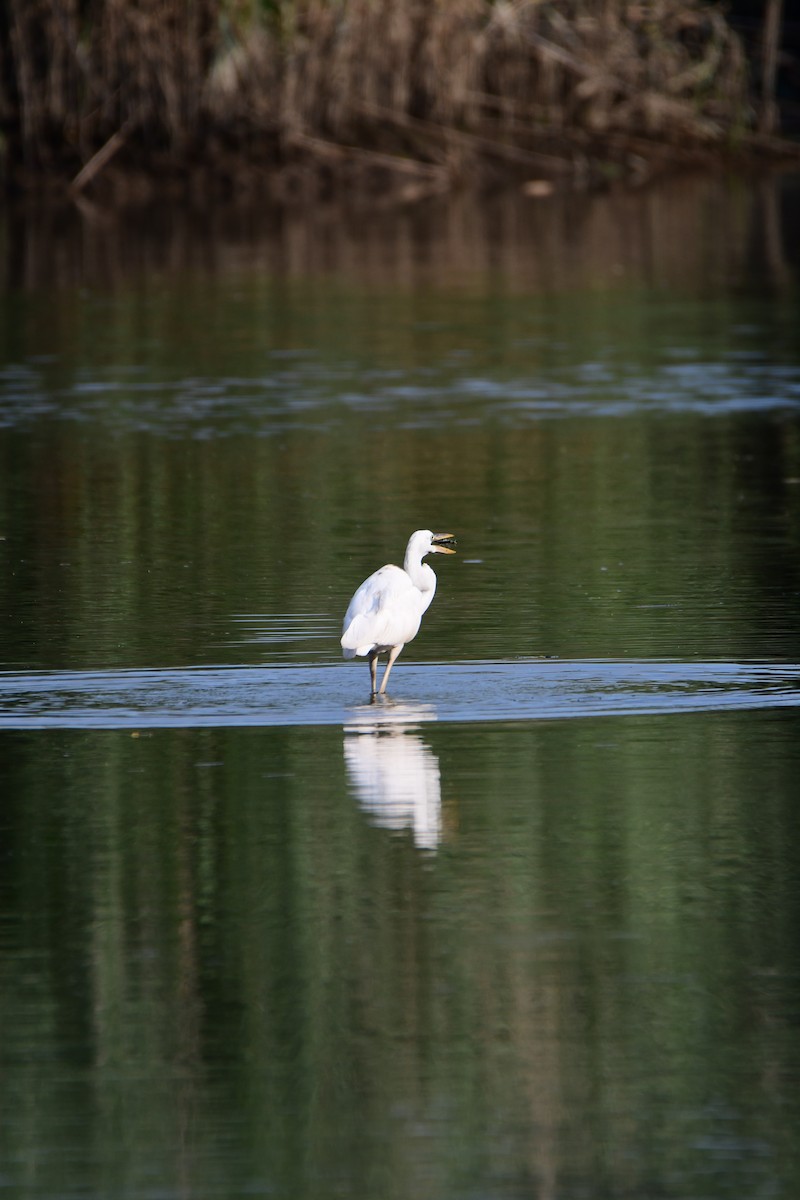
(426, 542)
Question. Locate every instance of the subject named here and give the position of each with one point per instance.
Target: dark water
(527, 927)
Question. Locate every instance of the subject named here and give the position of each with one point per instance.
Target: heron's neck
(422, 576)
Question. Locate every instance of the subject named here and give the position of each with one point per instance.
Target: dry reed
(440, 89)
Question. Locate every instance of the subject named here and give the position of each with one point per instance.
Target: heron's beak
(443, 543)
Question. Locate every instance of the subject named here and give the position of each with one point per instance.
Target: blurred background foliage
(296, 97)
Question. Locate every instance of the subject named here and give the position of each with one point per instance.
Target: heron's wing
(385, 611)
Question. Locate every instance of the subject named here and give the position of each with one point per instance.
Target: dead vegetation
(419, 94)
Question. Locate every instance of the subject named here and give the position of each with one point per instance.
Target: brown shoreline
(313, 100)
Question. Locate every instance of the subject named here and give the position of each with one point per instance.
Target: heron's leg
(393, 653)
(373, 670)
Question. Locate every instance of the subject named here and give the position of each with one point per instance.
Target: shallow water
(527, 925)
(525, 690)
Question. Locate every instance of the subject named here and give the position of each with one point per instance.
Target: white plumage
(386, 611)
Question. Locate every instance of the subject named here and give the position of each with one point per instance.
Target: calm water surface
(528, 926)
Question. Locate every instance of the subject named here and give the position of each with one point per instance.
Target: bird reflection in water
(393, 773)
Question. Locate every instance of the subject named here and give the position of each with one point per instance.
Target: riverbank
(303, 100)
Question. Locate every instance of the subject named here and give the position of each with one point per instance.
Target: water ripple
(524, 689)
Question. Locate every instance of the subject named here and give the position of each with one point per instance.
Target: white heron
(387, 609)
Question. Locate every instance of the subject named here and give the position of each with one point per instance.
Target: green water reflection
(564, 964)
(225, 977)
(201, 454)
(582, 532)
